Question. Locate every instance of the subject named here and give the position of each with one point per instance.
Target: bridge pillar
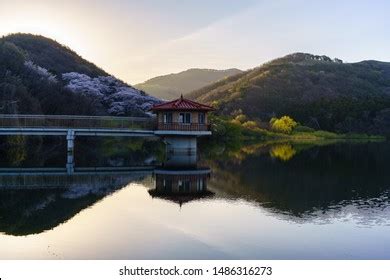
(70, 137)
(181, 146)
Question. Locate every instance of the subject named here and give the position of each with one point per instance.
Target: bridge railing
(70, 121)
(183, 126)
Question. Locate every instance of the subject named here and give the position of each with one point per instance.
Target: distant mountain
(315, 90)
(173, 85)
(40, 76)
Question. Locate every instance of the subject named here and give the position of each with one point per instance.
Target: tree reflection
(31, 204)
(17, 150)
(284, 152)
(312, 182)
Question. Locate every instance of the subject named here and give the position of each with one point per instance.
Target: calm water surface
(270, 202)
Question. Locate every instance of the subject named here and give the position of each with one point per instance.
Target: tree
(250, 125)
(284, 125)
(11, 58)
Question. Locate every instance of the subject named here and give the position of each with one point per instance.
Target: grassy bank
(230, 130)
(232, 139)
(322, 135)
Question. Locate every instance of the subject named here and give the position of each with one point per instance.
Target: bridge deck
(77, 131)
(93, 126)
(81, 125)
(74, 121)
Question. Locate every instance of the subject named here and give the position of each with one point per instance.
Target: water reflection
(181, 185)
(181, 159)
(40, 199)
(318, 183)
(283, 152)
(33, 200)
(278, 194)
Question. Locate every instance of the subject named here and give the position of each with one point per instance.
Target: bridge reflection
(25, 178)
(40, 199)
(34, 200)
(177, 183)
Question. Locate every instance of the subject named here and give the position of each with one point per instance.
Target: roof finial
(181, 96)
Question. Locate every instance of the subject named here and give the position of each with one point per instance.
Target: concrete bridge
(76, 125)
(182, 137)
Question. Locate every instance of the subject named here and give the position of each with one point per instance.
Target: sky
(138, 40)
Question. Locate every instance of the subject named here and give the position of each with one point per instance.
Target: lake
(276, 201)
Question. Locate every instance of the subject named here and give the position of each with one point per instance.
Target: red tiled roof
(182, 104)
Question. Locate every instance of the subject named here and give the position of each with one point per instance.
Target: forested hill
(315, 90)
(53, 56)
(40, 76)
(173, 85)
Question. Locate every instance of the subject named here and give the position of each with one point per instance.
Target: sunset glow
(136, 40)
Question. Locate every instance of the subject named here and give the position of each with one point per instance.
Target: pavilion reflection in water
(36, 199)
(181, 180)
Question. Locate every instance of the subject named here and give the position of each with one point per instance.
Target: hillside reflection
(35, 201)
(315, 185)
(303, 184)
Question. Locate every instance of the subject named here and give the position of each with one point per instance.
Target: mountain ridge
(315, 90)
(38, 47)
(40, 76)
(172, 85)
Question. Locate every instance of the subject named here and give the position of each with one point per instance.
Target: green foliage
(16, 149)
(283, 125)
(250, 125)
(137, 148)
(24, 91)
(230, 137)
(302, 128)
(53, 56)
(316, 91)
(224, 129)
(239, 119)
(11, 57)
(326, 134)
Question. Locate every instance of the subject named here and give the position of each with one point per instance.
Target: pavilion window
(185, 118)
(167, 185)
(168, 117)
(184, 186)
(201, 118)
